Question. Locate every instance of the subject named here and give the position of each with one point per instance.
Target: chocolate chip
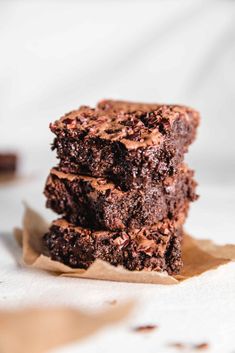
(122, 241)
(112, 131)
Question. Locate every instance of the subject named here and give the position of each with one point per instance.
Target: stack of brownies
(121, 186)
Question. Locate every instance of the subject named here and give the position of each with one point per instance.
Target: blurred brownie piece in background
(8, 163)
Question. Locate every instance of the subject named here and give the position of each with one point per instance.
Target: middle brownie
(99, 204)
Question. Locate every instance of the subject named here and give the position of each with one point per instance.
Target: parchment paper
(35, 330)
(199, 256)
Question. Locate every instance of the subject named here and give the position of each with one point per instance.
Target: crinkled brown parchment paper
(199, 256)
(39, 330)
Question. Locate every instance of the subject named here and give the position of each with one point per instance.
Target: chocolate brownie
(157, 248)
(98, 204)
(8, 163)
(131, 148)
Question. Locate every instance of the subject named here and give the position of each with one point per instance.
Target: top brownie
(133, 145)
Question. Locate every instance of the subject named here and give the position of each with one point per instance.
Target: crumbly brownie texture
(154, 249)
(98, 204)
(132, 148)
(8, 162)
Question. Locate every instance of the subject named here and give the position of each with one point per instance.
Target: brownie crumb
(145, 328)
(177, 345)
(194, 347)
(201, 346)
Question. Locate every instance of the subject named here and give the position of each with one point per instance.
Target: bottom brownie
(154, 249)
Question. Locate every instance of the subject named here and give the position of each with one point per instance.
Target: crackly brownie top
(132, 107)
(135, 127)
